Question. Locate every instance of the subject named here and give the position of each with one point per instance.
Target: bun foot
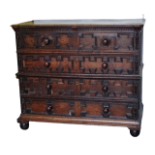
(24, 126)
(135, 133)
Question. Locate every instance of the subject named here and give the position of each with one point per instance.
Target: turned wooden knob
(46, 41)
(48, 86)
(105, 65)
(105, 42)
(49, 108)
(47, 64)
(106, 110)
(105, 89)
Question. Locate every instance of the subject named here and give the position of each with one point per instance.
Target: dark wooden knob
(47, 64)
(105, 89)
(106, 110)
(105, 65)
(46, 41)
(49, 108)
(48, 86)
(105, 42)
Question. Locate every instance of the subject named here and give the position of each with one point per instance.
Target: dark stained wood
(91, 109)
(131, 124)
(80, 76)
(48, 108)
(24, 126)
(107, 64)
(83, 98)
(80, 87)
(134, 124)
(85, 74)
(82, 39)
(134, 133)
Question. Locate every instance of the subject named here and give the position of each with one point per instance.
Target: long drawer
(81, 40)
(79, 108)
(88, 64)
(82, 88)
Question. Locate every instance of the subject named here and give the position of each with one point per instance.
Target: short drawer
(98, 39)
(79, 108)
(104, 64)
(82, 88)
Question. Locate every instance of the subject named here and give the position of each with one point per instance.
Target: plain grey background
(58, 139)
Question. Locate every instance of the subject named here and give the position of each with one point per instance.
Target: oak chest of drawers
(81, 71)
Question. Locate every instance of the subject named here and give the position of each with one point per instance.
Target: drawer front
(106, 64)
(79, 108)
(85, 88)
(80, 40)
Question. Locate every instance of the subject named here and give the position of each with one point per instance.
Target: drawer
(79, 108)
(81, 88)
(117, 41)
(104, 64)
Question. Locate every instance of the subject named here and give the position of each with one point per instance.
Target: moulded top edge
(83, 22)
(91, 22)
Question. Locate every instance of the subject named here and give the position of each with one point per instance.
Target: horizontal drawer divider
(81, 98)
(75, 52)
(80, 76)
